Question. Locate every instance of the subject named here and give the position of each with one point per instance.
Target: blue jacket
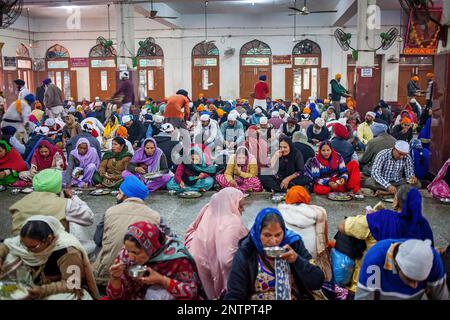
(344, 148)
(390, 286)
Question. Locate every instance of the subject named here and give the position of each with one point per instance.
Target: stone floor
(179, 213)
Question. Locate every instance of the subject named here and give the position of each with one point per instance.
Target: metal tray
(189, 194)
(100, 192)
(153, 175)
(338, 196)
(10, 290)
(274, 252)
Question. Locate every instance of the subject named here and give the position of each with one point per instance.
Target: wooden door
(289, 84)
(376, 76)
(73, 85)
(11, 92)
(249, 76)
(102, 82)
(323, 83)
(205, 80)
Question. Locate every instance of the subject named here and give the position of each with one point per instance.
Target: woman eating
(113, 163)
(406, 221)
(330, 174)
(287, 165)
(48, 254)
(149, 159)
(193, 176)
(11, 163)
(213, 239)
(45, 156)
(256, 276)
(83, 162)
(241, 172)
(171, 271)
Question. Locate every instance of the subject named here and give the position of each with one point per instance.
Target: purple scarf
(91, 155)
(152, 162)
(408, 224)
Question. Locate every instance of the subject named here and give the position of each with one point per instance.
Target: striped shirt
(386, 169)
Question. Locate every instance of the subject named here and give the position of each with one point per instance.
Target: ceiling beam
(347, 9)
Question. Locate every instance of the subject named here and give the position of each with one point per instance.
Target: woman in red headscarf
(45, 156)
(171, 271)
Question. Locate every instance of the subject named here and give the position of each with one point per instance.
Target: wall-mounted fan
(305, 11)
(154, 13)
(344, 40)
(10, 10)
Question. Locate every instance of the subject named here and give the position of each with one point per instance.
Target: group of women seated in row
(218, 259)
(324, 173)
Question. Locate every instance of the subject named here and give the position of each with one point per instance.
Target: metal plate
(153, 175)
(100, 192)
(189, 194)
(10, 290)
(337, 196)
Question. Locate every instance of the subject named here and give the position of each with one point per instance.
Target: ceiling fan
(154, 14)
(305, 11)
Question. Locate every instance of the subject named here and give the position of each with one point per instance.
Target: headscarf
(48, 180)
(124, 153)
(109, 130)
(255, 232)
(38, 114)
(152, 162)
(298, 194)
(148, 236)
(217, 226)
(46, 163)
(91, 155)
(408, 224)
(63, 240)
(333, 162)
(12, 159)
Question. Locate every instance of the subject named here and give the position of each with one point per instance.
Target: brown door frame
(315, 66)
(104, 95)
(196, 87)
(62, 70)
(156, 69)
(30, 84)
(245, 95)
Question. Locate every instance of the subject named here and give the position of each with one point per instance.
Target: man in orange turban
(413, 88)
(297, 195)
(122, 132)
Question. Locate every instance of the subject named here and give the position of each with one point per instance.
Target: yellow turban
(220, 113)
(338, 76)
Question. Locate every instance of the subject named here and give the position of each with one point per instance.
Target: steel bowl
(137, 271)
(274, 252)
(445, 201)
(359, 197)
(15, 191)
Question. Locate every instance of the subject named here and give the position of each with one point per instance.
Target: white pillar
(365, 35)
(125, 33)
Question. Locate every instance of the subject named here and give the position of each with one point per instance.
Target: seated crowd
(293, 149)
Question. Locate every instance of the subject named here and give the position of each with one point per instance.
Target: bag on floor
(343, 268)
(352, 247)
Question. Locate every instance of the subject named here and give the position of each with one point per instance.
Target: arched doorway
(57, 61)
(306, 78)
(151, 70)
(255, 60)
(205, 70)
(24, 66)
(102, 71)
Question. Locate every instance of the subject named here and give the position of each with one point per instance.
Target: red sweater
(261, 90)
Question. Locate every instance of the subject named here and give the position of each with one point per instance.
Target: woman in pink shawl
(213, 238)
(82, 164)
(149, 159)
(440, 187)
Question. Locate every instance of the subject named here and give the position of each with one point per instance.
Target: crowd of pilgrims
(290, 148)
